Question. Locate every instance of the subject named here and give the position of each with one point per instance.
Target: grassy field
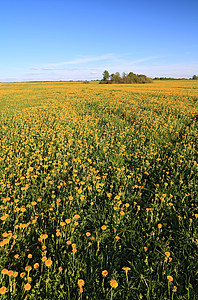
(99, 191)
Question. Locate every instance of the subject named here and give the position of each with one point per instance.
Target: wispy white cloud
(83, 60)
(106, 60)
(144, 59)
(92, 67)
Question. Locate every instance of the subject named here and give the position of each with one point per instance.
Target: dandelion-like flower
(48, 262)
(36, 265)
(103, 227)
(104, 273)
(170, 278)
(3, 290)
(81, 283)
(113, 283)
(27, 287)
(4, 271)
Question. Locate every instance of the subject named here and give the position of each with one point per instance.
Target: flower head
(27, 287)
(170, 278)
(126, 269)
(36, 265)
(81, 283)
(113, 283)
(48, 262)
(3, 290)
(104, 273)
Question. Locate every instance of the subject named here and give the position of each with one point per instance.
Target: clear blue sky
(79, 39)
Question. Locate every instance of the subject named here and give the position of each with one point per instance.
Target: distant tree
(116, 77)
(105, 75)
(195, 77)
(125, 78)
(112, 76)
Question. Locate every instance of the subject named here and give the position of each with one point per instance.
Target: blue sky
(78, 40)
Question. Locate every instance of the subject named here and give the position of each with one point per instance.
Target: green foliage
(195, 77)
(125, 78)
(105, 75)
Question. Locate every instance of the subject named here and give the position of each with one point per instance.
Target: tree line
(124, 78)
(195, 77)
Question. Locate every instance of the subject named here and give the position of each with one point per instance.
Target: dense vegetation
(125, 78)
(195, 77)
(98, 191)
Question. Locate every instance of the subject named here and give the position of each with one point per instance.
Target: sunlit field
(99, 191)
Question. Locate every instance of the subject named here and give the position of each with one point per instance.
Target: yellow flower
(3, 218)
(3, 290)
(4, 271)
(44, 236)
(44, 258)
(170, 278)
(103, 227)
(48, 262)
(167, 254)
(28, 268)
(104, 273)
(126, 268)
(81, 283)
(175, 288)
(113, 283)
(27, 287)
(76, 216)
(36, 265)
(15, 274)
(10, 273)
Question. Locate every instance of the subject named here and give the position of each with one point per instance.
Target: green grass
(75, 158)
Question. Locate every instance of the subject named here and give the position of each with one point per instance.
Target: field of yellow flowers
(99, 191)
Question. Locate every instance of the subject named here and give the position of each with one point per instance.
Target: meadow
(99, 191)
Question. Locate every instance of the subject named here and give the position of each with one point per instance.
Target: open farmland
(99, 191)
